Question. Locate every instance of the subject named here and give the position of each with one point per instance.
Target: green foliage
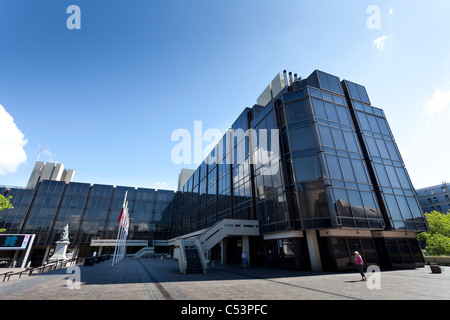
(5, 204)
(438, 237)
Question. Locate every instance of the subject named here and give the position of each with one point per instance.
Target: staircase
(196, 245)
(193, 264)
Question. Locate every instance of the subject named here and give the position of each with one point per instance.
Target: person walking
(244, 259)
(359, 264)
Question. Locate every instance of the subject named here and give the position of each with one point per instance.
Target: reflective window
(342, 203)
(415, 210)
(334, 167)
(347, 169)
(353, 91)
(392, 151)
(331, 112)
(404, 208)
(363, 94)
(343, 115)
(327, 139)
(319, 107)
(296, 111)
(393, 207)
(402, 176)
(382, 148)
(382, 176)
(383, 126)
(350, 139)
(363, 121)
(360, 171)
(339, 139)
(373, 123)
(301, 138)
(323, 81)
(307, 168)
(392, 176)
(373, 150)
(356, 203)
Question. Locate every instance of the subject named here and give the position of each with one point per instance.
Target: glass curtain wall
(391, 180)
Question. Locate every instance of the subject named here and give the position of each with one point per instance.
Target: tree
(438, 237)
(5, 204)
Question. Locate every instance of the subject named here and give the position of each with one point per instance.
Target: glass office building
(91, 211)
(435, 198)
(313, 162)
(336, 185)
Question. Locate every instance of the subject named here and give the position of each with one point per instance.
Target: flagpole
(118, 232)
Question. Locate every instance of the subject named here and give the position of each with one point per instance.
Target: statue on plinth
(61, 245)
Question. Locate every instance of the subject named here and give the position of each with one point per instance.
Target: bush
(438, 237)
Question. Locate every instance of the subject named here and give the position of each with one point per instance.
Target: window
(382, 148)
(352, 145)
(339, 139)
(392, 151)
(373, 123)
(319, 107)
(363, 94)
(363, 121)
(382, 176)
(347, 169)
(307, 168)
(360, 171)
(334, 167)
(356, 203)
(393, 207)
(331, 112)
(327, 139)
(373, 149)
(343, 115)
(296, 111)
(301, 138)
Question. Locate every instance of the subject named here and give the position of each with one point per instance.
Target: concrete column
(246, 248)
(313, 249)
(100, 251)
(223, 251)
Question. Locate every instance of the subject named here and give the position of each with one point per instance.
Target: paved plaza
(160, 279)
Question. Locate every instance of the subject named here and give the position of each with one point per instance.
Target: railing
(143, 251)
(41, 269)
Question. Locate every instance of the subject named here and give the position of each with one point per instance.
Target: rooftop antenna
(39, 154)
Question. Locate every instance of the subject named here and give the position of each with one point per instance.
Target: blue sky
(105, 99)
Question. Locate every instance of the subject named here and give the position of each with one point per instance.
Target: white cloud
(159, 184)
(381, 42)
(424, 149)
(12, 141)
(391, 10)
(438, 104)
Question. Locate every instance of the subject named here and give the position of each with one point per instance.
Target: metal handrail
(41, 269)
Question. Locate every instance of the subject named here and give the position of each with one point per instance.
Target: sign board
(14, 241)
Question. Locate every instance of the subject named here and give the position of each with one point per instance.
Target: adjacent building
(49, 171)
(90, 210)
(435, 198)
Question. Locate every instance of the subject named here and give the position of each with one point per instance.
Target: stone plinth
(60, 251)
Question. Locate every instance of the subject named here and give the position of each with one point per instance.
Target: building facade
(435, 198)
(90, 210)
(332, 182)
(313, 162)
